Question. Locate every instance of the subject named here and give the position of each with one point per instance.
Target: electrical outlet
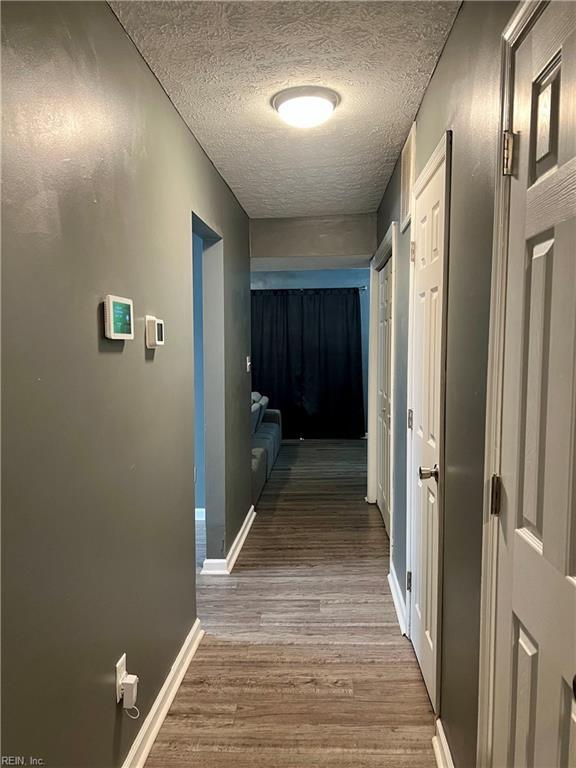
(120, 675)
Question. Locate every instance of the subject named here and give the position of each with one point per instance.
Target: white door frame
(387, 250)
(442, 153)
(512, 36)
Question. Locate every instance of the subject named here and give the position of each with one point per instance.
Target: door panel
(534, 709)
(426, 350)
(380, 431)
(387, 390)
(384, 391)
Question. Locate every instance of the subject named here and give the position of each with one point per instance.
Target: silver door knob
(425, 474)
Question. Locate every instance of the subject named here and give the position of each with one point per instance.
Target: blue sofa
(266, 441)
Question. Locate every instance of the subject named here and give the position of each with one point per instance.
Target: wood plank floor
(303, 663)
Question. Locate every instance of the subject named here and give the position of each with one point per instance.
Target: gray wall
(463, 95)
(307, 243)
(100, 180)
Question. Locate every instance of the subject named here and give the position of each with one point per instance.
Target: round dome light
(305, 106)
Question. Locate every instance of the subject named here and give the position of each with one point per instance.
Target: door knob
(425, 473)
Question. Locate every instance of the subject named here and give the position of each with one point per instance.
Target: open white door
(384, 444)
(533, 722)
(381, 377)
(425, 400)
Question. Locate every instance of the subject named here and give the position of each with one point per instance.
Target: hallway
(303, 663)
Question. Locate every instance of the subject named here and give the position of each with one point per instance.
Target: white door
(384, 390)
(535, 663)
(426, 385)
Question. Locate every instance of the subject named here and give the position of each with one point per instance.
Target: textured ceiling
(221, 63)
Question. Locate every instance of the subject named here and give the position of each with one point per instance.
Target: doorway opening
(199, 414)
(208, 356)
(310, 349)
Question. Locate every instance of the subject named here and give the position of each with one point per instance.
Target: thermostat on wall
(154, 332)
(118, 317)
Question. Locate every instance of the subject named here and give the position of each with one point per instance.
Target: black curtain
(307, 357)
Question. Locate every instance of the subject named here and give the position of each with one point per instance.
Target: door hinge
(495, 494)
(410, 418)
(412, 250)
(408, 581)
(508, 153)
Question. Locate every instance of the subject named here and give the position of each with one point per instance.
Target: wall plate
(154, 332)
(120, 675)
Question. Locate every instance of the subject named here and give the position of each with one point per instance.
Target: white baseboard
(143, 742)
(211, 567)
(200, 513)
(441, 747)
(224, 567)
(240, 539)
(399, 603)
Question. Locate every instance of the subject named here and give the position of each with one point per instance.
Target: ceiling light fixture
(306, 106)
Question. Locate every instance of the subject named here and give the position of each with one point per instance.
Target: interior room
(322, 298)
(288, 384)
